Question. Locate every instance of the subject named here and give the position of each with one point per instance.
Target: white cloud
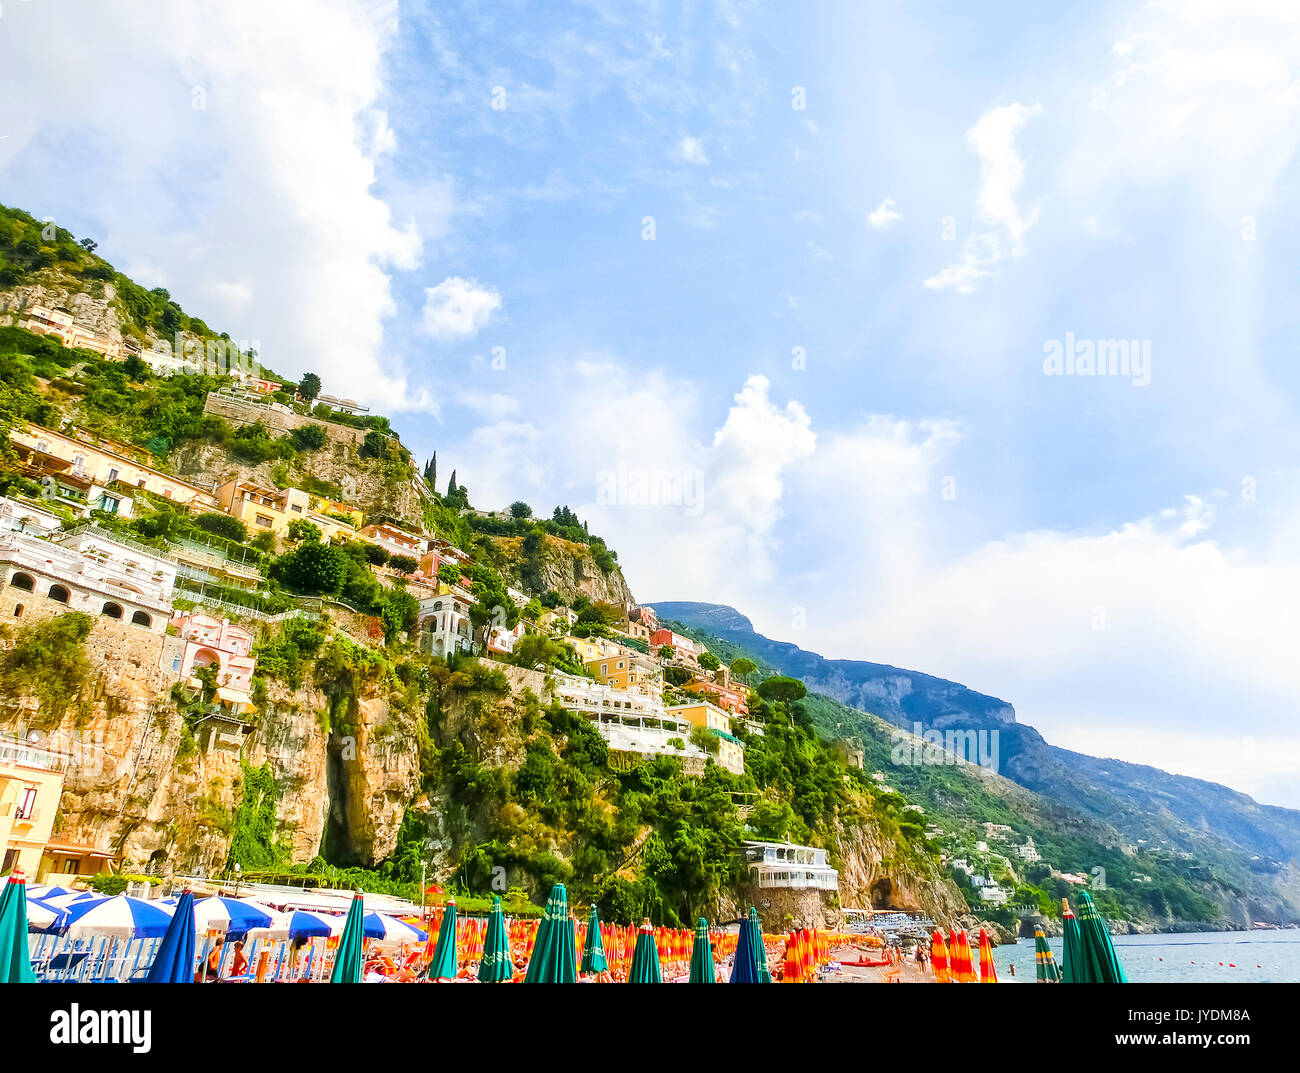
(458, 309)
(251, 185)
(1002, 223)
(884, 215)
(692, 151)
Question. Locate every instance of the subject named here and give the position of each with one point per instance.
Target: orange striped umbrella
(939, 957)
(967, 959)
(988, 974)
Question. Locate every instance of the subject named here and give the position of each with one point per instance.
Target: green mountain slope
(1188, 835)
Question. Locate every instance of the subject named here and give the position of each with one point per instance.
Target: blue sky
(834, 341)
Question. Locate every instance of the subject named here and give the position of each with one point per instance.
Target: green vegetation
(48, 662)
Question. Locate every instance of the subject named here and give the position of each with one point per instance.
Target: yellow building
(263, 508)
(106, 463)
(31, 783)
(731, 754)
(627, 670)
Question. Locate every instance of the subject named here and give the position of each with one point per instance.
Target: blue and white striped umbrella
(300, 924)
(118, 918)
(44, 893)
(73, 897)
(390, 929)
(236, 916)
(43, 917)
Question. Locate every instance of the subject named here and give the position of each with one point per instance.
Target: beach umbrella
(939, 957)
(347, 960)
(1078, 959)
(391, 930)
(443, 965)
(988, 973)
(173, 963)
(121, 917)
(42, 917)
(300, 924)
(44, 893)
(1044, 963)
(760, 947)
(232, 915)
(553, 959)
(750, 964)
(645, 959)
(593, 953)
(496, 965)
(702, 968)
(1097, 937)
(15, 957)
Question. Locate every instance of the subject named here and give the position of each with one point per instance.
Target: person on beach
(239, 963)
(214, 961)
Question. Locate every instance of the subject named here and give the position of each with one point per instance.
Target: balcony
(18, 753)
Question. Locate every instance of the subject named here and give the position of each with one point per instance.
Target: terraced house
(263, 508)
(95, 466)
(88, 570)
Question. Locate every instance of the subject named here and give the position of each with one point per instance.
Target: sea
(1243, 957)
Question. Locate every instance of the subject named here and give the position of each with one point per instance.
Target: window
(263, 521)
(141, 618)
(112, 476)
(59, 594)
(112, 610)
(23, 581)
(296, 509)
(108, 504)
(26, 804)
(18, 610)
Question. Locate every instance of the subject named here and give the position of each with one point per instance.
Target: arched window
(141, 618)
(59, 594)
(112, 610)
(18, 610)
(23, 581)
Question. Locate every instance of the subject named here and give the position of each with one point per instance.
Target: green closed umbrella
(1097, 937)
(15, 957)
(593, 952)
(1079, 963)
(702, 970)
(347, 962)
(1044, 963)
(760, 950)
(554, 960)
(443, 965)
(496, 966)
(645, 958)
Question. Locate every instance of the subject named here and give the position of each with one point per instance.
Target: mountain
(1254, 848)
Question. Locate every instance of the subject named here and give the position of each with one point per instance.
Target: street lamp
(238, 875)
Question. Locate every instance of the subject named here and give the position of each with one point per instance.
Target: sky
(801, 306)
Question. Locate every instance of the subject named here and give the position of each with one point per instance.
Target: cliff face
(565, 567)
(364, 482)
(162, 798)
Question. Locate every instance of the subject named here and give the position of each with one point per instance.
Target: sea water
(1195, 957)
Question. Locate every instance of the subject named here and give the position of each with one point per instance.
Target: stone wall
(242, 412)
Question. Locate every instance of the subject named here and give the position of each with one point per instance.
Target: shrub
(223, 525)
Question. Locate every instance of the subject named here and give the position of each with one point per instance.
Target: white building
(629, 721)
(1029, 852)
(993, 895)
(445, 625)
(19, 517)
(89, 570)
(783, 864)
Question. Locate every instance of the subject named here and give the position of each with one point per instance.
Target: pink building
(216, 642)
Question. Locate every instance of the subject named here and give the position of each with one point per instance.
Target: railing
(127, 542)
